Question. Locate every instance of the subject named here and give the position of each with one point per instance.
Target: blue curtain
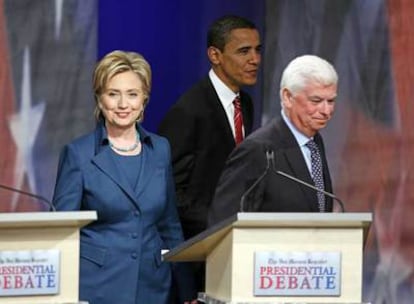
(171, 35)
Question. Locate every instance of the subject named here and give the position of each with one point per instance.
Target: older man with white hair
(308, 90)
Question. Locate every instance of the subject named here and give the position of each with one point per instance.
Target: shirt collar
(225, 94)
(299, 136)
(103, 134)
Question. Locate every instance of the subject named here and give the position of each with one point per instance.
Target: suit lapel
(246, 111)
(147, 169)
(294, 158)
(106, 163)
(218, 114)
(298, 166)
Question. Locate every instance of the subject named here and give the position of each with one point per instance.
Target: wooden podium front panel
(219, 269)
(230, 265)
(64, 239)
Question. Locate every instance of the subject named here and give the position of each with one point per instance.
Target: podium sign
(297, 273)
(23, 236)
(230, 249)
(29, 272)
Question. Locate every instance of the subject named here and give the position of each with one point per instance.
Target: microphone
(295, 179)
(38, 197)
(269, 158)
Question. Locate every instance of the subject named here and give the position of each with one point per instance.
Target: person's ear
(287, 97)
(214, 54)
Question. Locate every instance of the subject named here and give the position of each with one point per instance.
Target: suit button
(136, 213)
(134, 235)
(134, 255)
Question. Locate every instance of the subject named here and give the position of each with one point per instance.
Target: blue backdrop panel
(171, 35)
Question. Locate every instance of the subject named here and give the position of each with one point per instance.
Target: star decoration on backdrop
(24, 127)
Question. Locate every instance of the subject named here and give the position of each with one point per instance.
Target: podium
(235, 249)
(26, 232)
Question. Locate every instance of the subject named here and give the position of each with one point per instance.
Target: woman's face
(122, 101)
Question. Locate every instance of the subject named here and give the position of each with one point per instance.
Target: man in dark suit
(201, 126)
(308, 91)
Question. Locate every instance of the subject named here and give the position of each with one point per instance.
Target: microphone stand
(269, 156)
(334, 197)
(40, 198)
(271, 165)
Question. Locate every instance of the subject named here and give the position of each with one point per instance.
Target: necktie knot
(236, 103)
(311, 144)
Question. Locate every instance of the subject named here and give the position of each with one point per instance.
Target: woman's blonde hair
(118, 62)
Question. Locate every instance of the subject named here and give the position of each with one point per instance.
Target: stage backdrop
(370, 140)
(47, 52)
(48, 49)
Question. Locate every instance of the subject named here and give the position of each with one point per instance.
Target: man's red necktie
(238, 120)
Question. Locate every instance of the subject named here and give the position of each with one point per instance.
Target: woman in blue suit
(124, 173)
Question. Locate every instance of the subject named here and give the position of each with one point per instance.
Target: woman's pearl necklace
(129, 149)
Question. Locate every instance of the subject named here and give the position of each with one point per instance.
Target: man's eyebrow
(321, 98)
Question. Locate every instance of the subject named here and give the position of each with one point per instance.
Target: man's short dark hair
(220, 30)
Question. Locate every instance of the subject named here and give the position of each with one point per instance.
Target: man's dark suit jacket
(275, 193)
(201, 140)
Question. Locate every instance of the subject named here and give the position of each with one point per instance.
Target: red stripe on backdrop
(401, 13)
(376, 172)
(402, 48)
(7, 101)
